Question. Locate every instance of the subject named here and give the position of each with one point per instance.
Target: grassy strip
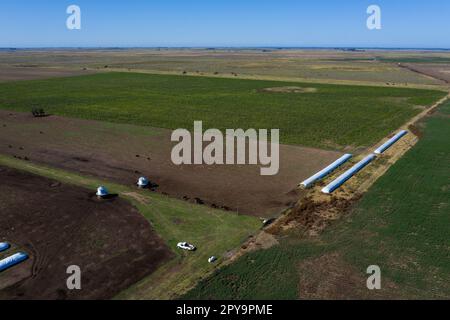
(213, 231)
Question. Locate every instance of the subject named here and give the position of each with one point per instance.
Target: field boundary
(361, 83)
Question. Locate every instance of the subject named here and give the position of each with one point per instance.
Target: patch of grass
(401, 225)
(213, 231)
(334, 115)
(270, 274)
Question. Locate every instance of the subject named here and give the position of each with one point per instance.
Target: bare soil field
(33, 73)
(61, 225)
(121, 153)
(436, 71)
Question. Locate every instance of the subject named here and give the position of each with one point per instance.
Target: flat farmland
(401, 224)
(315, 115)
(60, 225)
(408, 212)
(123, 152)
(114, 125)
(323, 65)
(43, 192)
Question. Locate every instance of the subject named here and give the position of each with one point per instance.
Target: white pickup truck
(186, 246)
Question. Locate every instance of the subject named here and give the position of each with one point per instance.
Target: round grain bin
(142, 182)
(102, 192)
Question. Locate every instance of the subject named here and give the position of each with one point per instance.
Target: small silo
(102, 192)
(143, 182)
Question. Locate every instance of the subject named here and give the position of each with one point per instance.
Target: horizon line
(228, 47)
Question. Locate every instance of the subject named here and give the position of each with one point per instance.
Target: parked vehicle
(186, 246)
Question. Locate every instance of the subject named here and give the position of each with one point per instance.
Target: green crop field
(327, 116)
(402, 225)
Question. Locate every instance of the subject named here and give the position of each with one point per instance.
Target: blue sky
(319, 23)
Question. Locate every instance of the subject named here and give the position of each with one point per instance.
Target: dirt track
(122, 153)
(34, 73)
(60, 225)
